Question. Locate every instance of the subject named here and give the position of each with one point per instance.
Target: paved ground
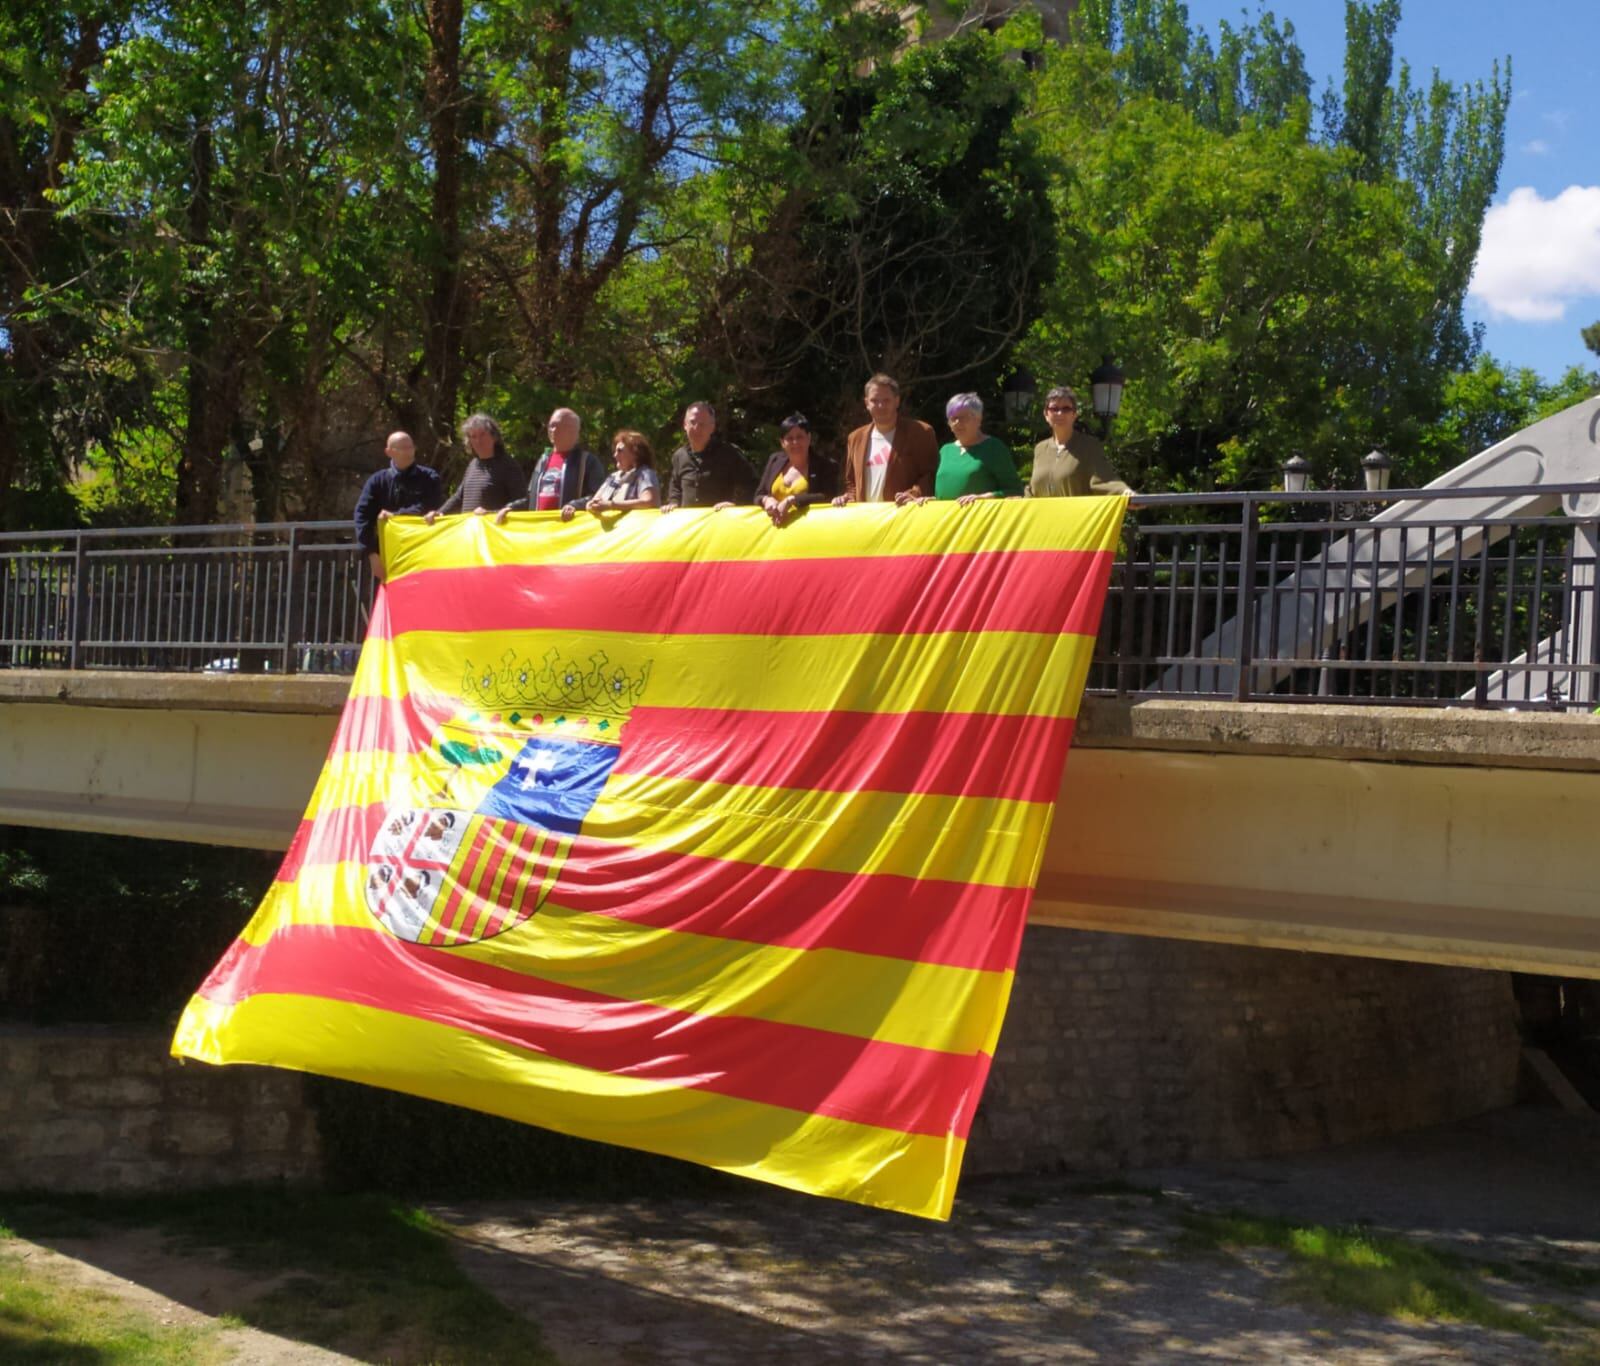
(1045, 1269)
(1057, 1269)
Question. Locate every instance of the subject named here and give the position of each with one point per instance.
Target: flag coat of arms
(686, 832)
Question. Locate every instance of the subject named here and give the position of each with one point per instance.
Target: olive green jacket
(1078, 468)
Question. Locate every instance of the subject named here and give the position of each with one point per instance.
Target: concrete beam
(206, 776)
(301, 694)
(1434, 836)
(1474, 865)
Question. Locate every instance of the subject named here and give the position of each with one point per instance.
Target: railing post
(80, 602)
(1125, 667)
(291, 600)
(1244, 613)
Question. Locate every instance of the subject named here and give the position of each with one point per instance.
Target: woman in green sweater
(974, 466)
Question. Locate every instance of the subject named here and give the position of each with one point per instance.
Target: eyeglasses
(1059, 408)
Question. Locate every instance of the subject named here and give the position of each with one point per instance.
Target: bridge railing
(1240, 596)
(277, 598)
(1278, 597)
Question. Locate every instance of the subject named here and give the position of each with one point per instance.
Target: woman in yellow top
(795, 476)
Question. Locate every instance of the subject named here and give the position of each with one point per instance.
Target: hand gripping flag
(687, 832)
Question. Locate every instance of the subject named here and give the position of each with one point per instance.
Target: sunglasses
(1059, 408)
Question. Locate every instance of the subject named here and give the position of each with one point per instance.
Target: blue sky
(1538, 275)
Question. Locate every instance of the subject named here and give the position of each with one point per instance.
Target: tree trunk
(445, 310)
(214, 377)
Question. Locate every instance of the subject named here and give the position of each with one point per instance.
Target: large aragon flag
(687, 832)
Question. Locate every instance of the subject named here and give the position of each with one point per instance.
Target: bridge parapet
(1488, 596)
(1454, 837)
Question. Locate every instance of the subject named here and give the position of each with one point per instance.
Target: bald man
(405, 488)
(568, 474)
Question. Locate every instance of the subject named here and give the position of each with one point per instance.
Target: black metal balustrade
(1254, 596)
(289, 597)
(1284, 597)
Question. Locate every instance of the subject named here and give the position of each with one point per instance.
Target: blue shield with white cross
(552, 783)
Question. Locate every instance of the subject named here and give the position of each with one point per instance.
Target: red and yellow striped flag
(687, 832)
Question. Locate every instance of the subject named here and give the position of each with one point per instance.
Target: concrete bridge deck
(1444, 836)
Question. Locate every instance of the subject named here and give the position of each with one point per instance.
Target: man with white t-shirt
(893, 459)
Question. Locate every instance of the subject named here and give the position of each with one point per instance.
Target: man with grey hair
(404, 488)
(493, 479)
(1070, 463)
(567, 473)
(707, 471)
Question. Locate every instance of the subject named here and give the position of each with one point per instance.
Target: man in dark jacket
(404, 488)
(493, 479)
(567, 474)
(706, 470)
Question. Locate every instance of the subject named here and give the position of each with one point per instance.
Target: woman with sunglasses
(1069, 463)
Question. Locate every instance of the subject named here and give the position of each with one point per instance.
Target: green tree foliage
(1591, 337)
(1256, 73)
(914, 235)
(266, 232)
(303, 223)
(1264, 297)
(56, 392)
(230, 177)
(1486, 404)
(1269, 288)
(1446, 141)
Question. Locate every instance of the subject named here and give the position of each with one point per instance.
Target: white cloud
(1538, 255)
(1537, 148)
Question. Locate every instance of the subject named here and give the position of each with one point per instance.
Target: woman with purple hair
(974, 465)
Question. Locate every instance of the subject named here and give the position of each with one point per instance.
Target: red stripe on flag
(398, 725)
(1049, 591)
(814, 1071)
(530, 862)
(960, 754)
(952, 923)
(802, 908)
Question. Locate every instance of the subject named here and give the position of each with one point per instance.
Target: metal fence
(1255, 596)
(281, 598)
(1273, 596)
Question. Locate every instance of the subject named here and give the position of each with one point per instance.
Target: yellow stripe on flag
(745, 534)
(985, 840)
(924, 1005)
(913, 1173)
(999, 673)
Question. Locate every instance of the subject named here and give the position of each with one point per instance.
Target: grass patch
(1356, 1269)
(43, 1321)
(360, 1274)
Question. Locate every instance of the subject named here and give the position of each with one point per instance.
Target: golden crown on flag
(604, 688)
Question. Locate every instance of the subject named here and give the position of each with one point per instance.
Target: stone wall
(1118, 1051)
(107, 1109)
(1122, 1051)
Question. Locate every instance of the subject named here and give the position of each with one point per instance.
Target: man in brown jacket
(892, 459)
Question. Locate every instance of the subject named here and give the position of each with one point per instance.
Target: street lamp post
(1105, 389)
(1296, 474)
(1376, 468)
(1019, 392)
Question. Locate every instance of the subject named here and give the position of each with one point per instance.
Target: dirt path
(1030, 1270)
(1052, 1270)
